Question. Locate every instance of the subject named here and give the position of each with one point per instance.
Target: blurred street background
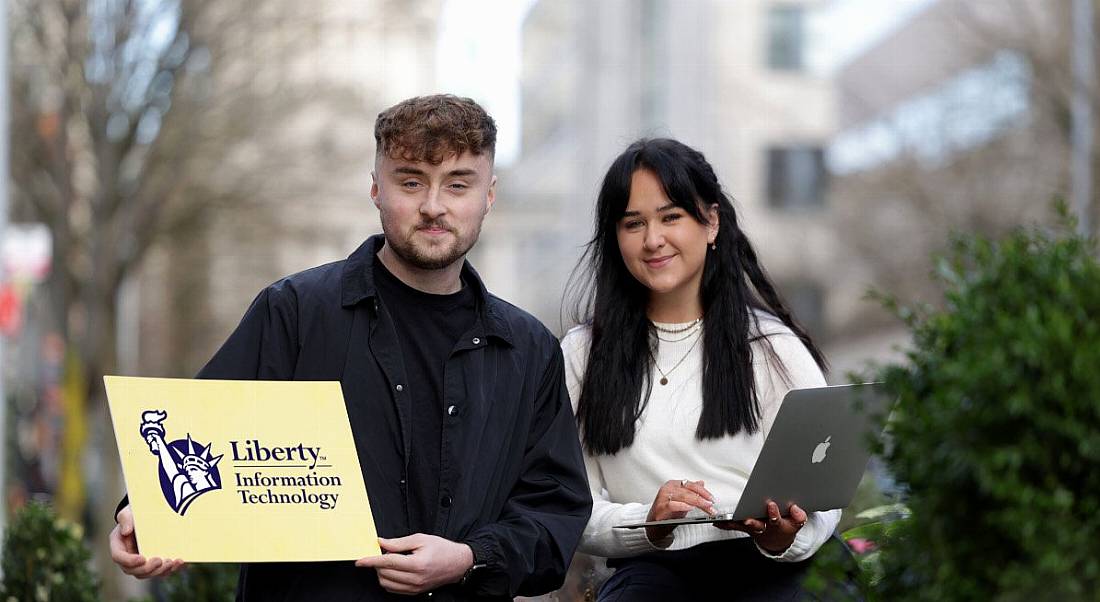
(167, 159)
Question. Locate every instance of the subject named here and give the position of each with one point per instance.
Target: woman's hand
(673, 500)
(775, 534)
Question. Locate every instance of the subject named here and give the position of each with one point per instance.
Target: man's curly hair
(431, 128)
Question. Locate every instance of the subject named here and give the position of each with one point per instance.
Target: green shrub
(996, 432)
(202, 583)
(46, 559)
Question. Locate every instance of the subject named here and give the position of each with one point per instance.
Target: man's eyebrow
(461, 172)
(416, 171)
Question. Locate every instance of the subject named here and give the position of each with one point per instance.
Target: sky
(478, 55)
(479, 43)
(843, 28)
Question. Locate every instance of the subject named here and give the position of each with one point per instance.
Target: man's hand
(419, 563)
(124, 551)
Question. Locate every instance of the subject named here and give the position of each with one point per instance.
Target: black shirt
(511, 464)
(428, 327)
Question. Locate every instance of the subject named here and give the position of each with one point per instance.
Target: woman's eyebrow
(668, 207)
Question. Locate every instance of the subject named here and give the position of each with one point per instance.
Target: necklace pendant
(664, 380)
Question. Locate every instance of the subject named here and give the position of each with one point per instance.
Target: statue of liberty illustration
(187, 469)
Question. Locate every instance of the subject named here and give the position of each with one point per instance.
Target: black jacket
(512, 481)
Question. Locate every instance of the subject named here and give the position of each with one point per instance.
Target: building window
(786, 36)
(796, 177)
(654, 62)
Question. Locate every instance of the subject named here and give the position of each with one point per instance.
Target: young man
(457, 399)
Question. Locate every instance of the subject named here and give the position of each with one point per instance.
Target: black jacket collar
(357, 285)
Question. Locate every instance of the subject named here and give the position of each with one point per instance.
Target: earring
(714, 246)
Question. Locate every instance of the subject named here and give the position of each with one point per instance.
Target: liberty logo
(186, 469)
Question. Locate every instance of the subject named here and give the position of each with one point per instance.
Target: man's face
(432, 214)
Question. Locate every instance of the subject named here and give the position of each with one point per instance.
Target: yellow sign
(241, 471)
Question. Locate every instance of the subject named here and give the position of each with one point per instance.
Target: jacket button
(452, 410)
(477, 341)
(400, 388)
(446, 501)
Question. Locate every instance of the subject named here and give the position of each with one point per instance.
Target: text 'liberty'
(251, 450)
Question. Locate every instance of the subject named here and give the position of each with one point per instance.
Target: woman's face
(662, 245)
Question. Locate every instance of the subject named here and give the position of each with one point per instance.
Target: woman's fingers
(680, 497)
(752, 526)
(774, 532)
(698, 488)
(773, 522)
(798, 515)
(685, 500)
(732, 525)
(675, 499)
(674, 510)
(773, 512)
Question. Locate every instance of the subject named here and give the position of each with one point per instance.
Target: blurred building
(954, 121)
(943, 123)
(296, 194)
(728, 78)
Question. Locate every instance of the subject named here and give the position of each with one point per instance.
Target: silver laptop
(814, 456)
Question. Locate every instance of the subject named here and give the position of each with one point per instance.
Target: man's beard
(431, 257)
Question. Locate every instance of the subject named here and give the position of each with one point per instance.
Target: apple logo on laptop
(820, 451)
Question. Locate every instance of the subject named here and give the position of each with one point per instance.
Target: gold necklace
(664, 375)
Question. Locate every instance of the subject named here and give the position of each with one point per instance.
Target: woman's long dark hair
(617, 379)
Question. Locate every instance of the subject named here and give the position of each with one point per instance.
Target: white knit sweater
(624, 484)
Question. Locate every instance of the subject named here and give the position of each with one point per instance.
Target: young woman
(676, 374)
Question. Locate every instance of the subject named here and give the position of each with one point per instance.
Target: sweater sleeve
(799, 371)
(600, 538)
(819, 526)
